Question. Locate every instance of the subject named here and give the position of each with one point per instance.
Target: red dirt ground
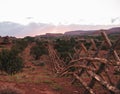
(38, 79)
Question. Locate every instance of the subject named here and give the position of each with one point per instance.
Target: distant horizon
(33, 29)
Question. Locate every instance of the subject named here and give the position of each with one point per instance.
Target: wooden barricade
(96, 66)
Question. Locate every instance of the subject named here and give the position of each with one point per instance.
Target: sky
(57, 12)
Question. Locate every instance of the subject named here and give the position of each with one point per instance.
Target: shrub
(29, 39)
(19, 45)
(87, 45)
(64, 48)
(38, 50)
(10, 62)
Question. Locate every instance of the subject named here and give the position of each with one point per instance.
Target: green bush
(87, 45)
(19, 45)
(29, 39)
(38, 50)
(64, 48)
(10, 62)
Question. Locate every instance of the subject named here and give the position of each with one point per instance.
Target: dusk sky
(84, 12)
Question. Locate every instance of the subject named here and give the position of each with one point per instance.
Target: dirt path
(26, 54)
(27, 57)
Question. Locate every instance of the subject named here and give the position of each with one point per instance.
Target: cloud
(115, 19)
(29, 18)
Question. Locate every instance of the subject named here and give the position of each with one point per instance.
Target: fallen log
(104, 83)
(83, 84)
(102, 60)
(77, 67)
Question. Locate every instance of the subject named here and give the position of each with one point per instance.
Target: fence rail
(98, 70)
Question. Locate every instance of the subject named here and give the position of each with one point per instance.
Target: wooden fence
(95, 69)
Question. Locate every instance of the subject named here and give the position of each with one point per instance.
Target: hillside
(115, 30)
(78, 32)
